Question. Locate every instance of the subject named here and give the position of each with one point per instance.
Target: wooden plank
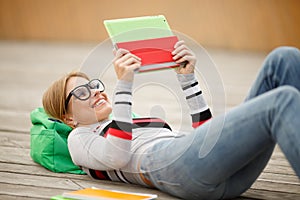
(275, 169)
(283, 178)
(270, 195)
(13, 139)
(14, 197)
(277, 186)
(15, 155)
(37, 170)
(21, 191)
(14, 120)
(40, 181)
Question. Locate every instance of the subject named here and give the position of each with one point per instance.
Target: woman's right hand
(125, 64)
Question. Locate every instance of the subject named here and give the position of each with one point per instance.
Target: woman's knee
(285, 53)
(287, 93)
(282, 61)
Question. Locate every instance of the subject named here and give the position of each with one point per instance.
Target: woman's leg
(281, 67)
(246, 142)
(238, 156)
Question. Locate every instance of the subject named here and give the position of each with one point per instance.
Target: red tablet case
(155, 53)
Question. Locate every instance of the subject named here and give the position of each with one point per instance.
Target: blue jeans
(240, 143)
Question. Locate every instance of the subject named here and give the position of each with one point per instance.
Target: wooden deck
(27, 68)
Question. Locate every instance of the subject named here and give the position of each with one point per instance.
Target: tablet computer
(148, 37)
(137, 28)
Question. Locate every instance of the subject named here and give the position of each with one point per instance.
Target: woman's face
(85, 112)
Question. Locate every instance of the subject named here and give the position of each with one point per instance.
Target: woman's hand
(125, 64)
(184, 56)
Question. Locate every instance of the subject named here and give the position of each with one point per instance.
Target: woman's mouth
(98, 103)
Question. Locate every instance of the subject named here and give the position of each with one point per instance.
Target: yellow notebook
(96, 193)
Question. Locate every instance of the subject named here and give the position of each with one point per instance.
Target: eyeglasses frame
(87, 85)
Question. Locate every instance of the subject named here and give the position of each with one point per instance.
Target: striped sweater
(112, 149)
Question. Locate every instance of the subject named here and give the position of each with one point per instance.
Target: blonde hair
(55, 96)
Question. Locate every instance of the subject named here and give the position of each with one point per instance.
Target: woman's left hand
(184, 56)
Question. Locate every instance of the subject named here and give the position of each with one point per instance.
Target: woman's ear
(69, 121)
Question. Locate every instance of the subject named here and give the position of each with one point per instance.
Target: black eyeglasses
(83, 92)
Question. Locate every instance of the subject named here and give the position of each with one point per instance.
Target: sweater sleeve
(199, 109)
(121, 125)
(113, 151)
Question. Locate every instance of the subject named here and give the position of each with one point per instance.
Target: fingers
(121, 52)
(179, 43)
(182, 53)
(185, 56)
(125, 58)
(125, 64)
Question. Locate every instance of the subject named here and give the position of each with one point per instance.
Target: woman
(145, 151)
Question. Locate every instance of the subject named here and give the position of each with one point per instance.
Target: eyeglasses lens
(82, 92)
(96, 84)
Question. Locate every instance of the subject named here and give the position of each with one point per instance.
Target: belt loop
(144, 179)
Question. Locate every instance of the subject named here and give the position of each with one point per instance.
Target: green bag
(48, 143)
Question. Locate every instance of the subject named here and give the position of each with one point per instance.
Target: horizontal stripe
(125, 177)
(120, 134)
(191, 85)
(120, 176)
(100, 175)
(150, 123)
(124, 126)
(198, 117)
(194, 95)
(123, 92)
(147, 119)
(123, 102)
(196, 124)
(104, 131)
(192, 90)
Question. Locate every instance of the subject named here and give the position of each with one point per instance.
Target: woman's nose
(96, 92)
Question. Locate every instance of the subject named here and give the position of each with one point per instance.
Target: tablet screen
(137, 28)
